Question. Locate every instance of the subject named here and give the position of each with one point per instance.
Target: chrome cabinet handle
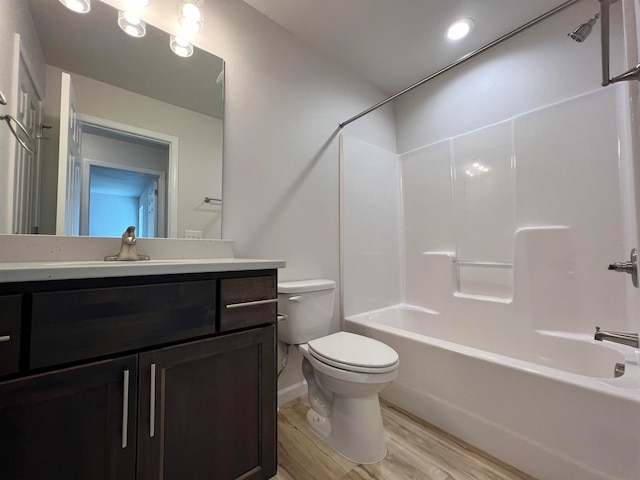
(5, 338)
(152, 402)
(251, 304)
(125, 409)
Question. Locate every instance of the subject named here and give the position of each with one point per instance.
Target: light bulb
(138, 3)
(78, 6)
(180, 46)
(131, 24)
(190, 16)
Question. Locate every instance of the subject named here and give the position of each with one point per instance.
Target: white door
(69, 163)
(26, 193)
(150, 205)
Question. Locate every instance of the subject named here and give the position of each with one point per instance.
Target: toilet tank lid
(301, 286)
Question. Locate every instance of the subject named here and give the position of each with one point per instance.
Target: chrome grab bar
(251, 304)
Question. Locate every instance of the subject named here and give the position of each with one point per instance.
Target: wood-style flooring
(415, 450)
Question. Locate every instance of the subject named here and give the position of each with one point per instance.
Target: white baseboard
(294, 391)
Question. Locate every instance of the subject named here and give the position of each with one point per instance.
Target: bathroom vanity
(161, 370)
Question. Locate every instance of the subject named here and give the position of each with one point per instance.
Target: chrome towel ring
(12, 123)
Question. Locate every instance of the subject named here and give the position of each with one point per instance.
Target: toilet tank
(308, 306)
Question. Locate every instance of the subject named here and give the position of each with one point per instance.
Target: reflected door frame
(171, 181)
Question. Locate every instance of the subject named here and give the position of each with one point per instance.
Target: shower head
(581, 33)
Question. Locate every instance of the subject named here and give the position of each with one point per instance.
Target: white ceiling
(396, 43)
(391, 43)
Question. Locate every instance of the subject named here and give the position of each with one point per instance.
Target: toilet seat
(354, 353)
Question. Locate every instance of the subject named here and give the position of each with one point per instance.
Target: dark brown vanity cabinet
(206, 409)
(75, 423)
(176, 398)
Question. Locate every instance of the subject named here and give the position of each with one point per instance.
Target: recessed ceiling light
(460, 28)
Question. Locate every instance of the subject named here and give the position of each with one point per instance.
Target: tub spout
(630, 339)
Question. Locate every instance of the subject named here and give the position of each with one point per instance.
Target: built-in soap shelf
(493, 281)
(484, 280)
(478, 280)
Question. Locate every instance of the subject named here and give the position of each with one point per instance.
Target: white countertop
(63, 270)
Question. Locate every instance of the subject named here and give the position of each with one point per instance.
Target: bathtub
(546, 402)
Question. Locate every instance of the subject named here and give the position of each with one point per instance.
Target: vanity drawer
(10, 313)
(73, 325)
(249, 301)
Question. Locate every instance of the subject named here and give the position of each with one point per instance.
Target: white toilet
(344, 371)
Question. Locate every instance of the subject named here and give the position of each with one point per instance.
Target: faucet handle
(129, 235)
(630, 267)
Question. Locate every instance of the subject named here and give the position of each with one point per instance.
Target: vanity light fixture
(460, 28)
(78, 6)
(131, 24)
(180, 46)
(191, 16)
(137, 4)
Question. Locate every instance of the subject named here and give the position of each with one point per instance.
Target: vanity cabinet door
(207, 409)
(72, 424)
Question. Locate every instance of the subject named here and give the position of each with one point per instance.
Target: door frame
(174, 147)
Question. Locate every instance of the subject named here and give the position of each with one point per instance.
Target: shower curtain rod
(468, 56)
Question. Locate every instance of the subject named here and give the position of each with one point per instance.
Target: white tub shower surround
(495, 244)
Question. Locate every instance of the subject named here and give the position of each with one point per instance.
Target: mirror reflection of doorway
(117, 197)
(123, 183)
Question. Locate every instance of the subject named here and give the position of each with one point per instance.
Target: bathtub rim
(626, 386)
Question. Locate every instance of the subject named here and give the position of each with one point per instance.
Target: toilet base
(355, 430)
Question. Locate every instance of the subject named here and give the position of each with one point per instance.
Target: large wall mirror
(128, 133)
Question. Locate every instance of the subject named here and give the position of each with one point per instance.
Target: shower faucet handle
(630, 267)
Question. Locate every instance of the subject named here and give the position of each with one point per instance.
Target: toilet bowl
(344, 371)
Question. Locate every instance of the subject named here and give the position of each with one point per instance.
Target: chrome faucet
(127, 248)
(630, 339)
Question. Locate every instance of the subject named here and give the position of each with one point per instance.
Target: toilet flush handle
(297, 298)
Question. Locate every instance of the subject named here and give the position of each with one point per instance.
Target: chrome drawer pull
(125, 408)
(251, 304)
(5, 338)
(152, 402)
